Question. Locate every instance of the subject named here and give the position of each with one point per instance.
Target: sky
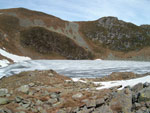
(135, 11)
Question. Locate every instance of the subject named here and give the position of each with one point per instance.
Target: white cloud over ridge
(135, 11)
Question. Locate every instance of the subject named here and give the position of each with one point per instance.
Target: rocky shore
(49, 92)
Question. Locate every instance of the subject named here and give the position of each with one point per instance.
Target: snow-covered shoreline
(123, 83)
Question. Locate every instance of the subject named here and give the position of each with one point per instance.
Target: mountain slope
(42, 36)
(63, 41)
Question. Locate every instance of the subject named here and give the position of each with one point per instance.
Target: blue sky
(135, 11)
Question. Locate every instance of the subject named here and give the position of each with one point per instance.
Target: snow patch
(124, 83)
(98, 59)
(4, 63)
(78, 80)
(13, 57)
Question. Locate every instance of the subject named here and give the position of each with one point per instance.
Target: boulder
(137, 87)
(122, 101)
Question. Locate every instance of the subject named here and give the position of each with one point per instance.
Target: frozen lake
(78, 68)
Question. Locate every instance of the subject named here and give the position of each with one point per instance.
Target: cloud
(136, 11)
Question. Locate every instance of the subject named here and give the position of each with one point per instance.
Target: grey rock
(18, 99)
(21, 112)
(31, 93)
(50, 74)
(38, 102)
(26, 103)
(137, 87)
(148, 104)
(5, 110)
(52, 101)
(24, 89)
(4, 101)
(100, 102)
(146, 84)
(85, 110)
(103, 109)
(61, 111)
(139, 111)
(54, 95)
(144, 95)
(3, 92)
(91, 103)
(57, 104)
(75, 109)
(31, 84)
(137, 105)
(122, 101)
(78, 95)
(41, 110)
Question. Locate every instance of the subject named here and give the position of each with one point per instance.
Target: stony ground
(48, 92)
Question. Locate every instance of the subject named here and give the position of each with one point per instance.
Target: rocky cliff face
(105, 38)
(116, 34)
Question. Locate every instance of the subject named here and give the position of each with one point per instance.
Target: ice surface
(78, 68)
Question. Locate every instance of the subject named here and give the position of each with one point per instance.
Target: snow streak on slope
(14, 58)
